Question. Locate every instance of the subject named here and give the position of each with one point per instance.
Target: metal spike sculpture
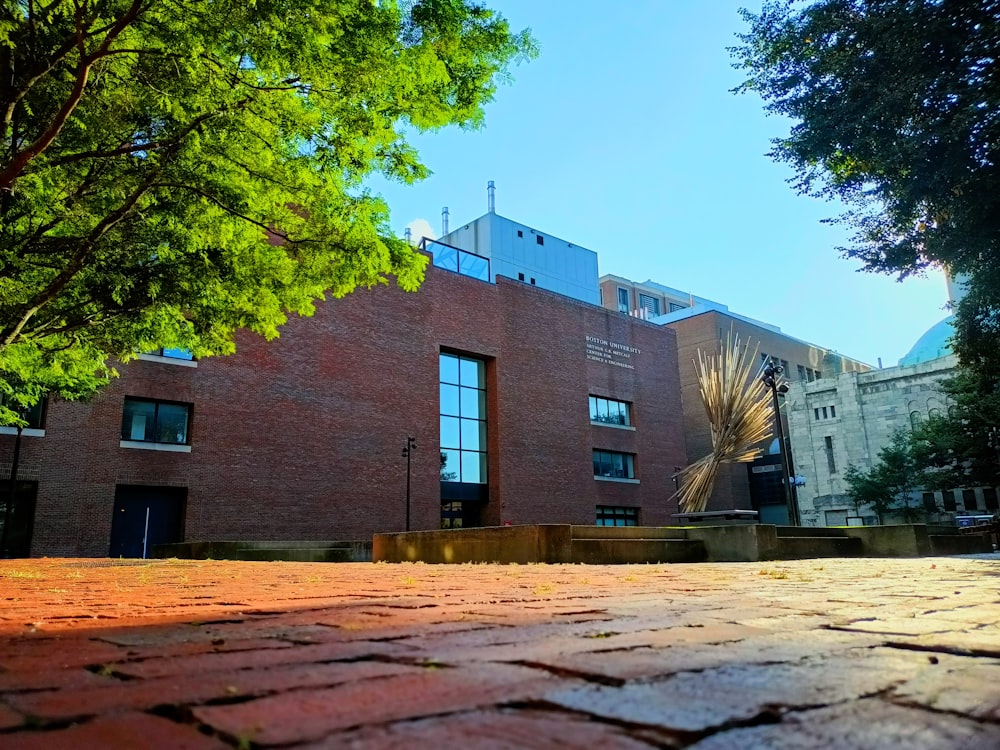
(739, 413)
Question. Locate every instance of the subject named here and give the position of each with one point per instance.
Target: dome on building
(935, 343)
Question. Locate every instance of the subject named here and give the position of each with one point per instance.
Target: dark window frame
(627, 470)
(34, 415)
(614, 513)
(126, 434)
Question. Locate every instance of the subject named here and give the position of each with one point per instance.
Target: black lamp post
(771, 377)
(411, 444)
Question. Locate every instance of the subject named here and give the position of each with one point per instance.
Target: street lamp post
(411, 444)
(771, 377)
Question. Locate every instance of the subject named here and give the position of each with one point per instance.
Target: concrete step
(802, 547)
(627, 532)
(786, 532)
(637, 550)
(320, 551)
(297, 554)
(960, 544)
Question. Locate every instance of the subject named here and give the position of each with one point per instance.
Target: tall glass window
(463, 419)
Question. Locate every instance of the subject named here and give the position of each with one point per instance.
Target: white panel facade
(515, 251)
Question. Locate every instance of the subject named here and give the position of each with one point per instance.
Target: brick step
(627, 532)
(802, 547)
(960, 544)
(785, 532)
(637, 550)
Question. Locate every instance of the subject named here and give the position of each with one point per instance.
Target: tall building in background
(838, 422)
(703, 325)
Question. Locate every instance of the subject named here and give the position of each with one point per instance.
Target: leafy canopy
(896, 110)
(173, 171)
(890, 483)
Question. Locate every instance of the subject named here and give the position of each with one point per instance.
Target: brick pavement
(207, 654)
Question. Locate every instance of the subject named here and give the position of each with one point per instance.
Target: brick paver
(804, 654)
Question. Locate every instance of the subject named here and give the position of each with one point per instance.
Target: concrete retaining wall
(547, 543)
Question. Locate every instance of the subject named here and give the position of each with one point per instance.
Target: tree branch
(20, 160)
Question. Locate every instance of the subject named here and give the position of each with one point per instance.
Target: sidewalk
(831, 653)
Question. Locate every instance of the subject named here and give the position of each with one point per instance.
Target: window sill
(26, 432)
(168, 360)
(613, 425)
(620, 480)
(165, 447)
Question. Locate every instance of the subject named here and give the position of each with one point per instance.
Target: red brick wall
(301, 438)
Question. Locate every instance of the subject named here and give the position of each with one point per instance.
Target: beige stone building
(701, 324)
(838, 422)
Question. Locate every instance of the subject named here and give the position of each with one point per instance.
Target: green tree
(895, 105)
(890, 483)
(173, 171)
(959, 449)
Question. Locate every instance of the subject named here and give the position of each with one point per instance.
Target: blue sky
(623, 137)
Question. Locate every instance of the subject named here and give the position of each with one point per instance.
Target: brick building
(526, 406)
(701, 324)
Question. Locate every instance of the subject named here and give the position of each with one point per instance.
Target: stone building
(838, 422)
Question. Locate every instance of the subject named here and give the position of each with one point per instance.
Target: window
(674, 307)
(149, 421)
(915, 419)
(824, 413)
(33, 415)
(969, 499)
(802, 372)
(948, 497)
(608, 411)
(817, 375)
(532, 280)
(622, 300)
(614, 465)
(833, 412)
(816, 412)
(810, 374)
(930, 504)
(520, 277)
(784, 365)
(611, 515)
(184, 354)
(463, 419)
(831, 462)
(539, 239)
(990, 498)
(520, 233)
(650, 304)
